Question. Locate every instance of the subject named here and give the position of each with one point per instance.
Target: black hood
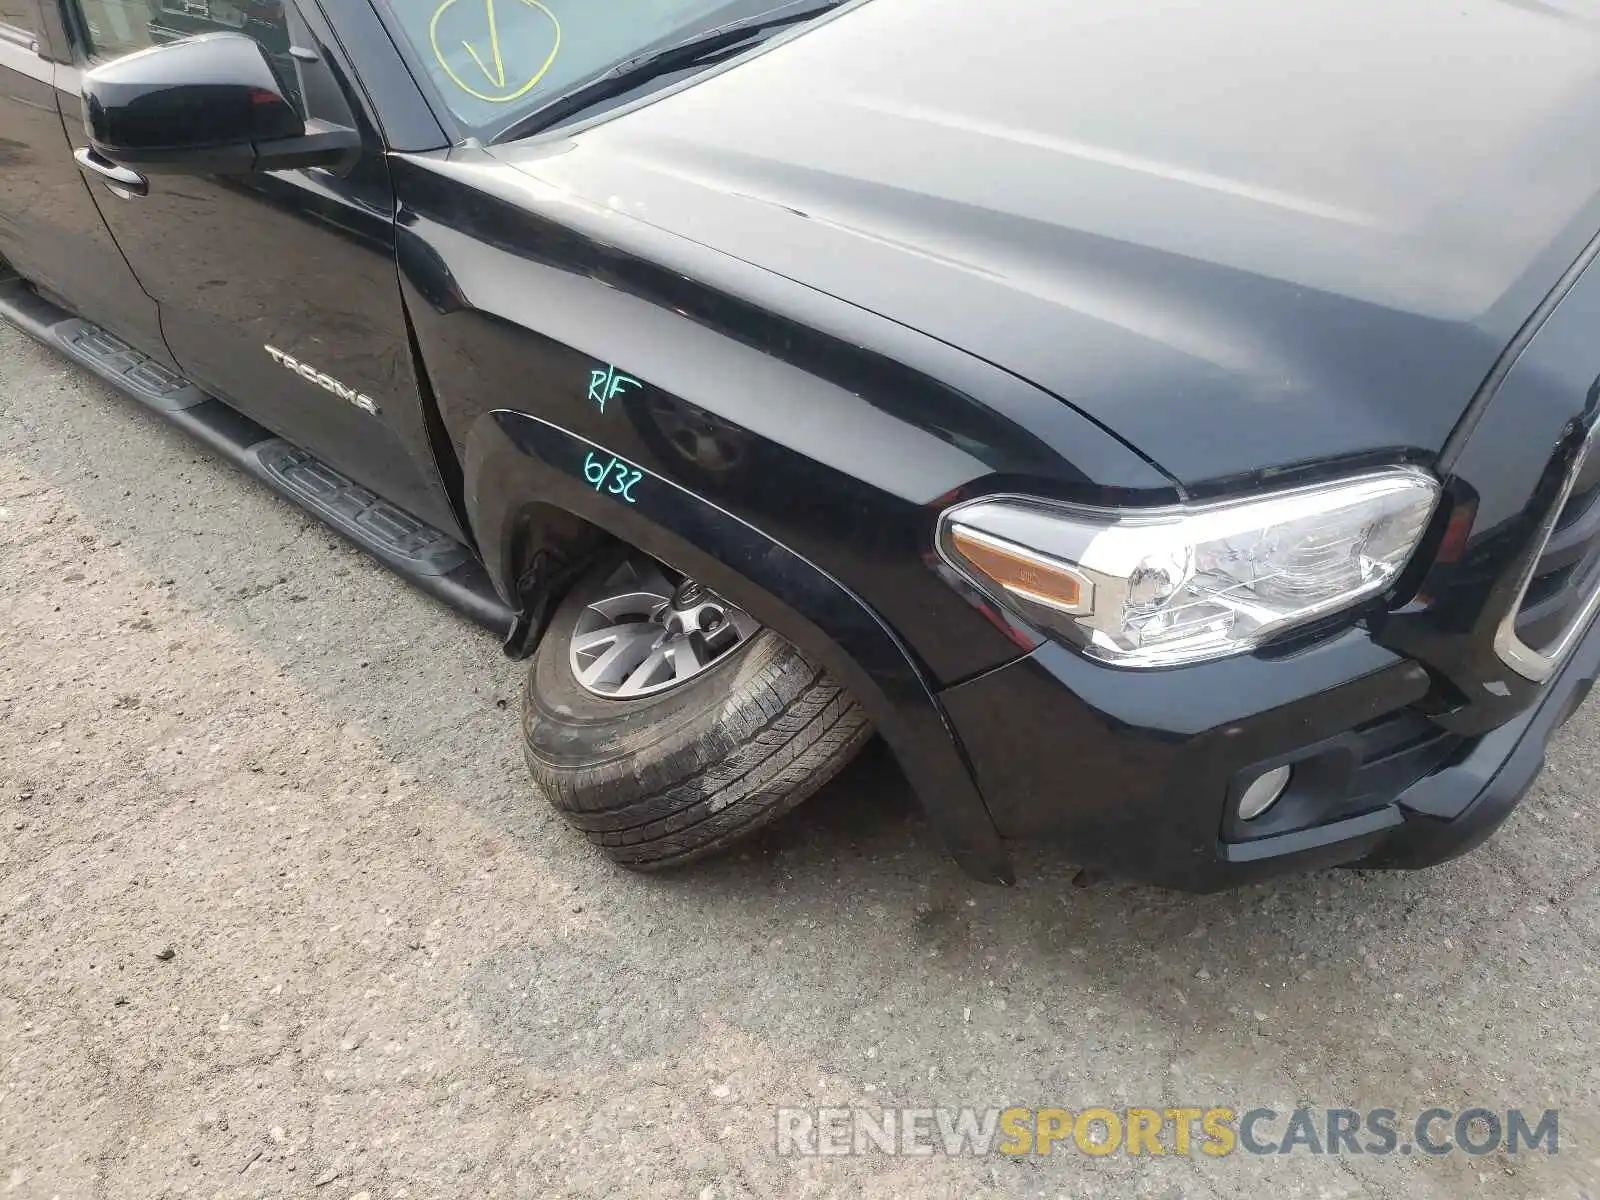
(1240, 236)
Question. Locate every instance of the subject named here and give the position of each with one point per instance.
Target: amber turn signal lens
(1024, 574)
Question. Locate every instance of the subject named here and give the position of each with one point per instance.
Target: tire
(662, 780)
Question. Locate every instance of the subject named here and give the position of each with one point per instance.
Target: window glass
(496, 60)
(118, 27)
(18, 14)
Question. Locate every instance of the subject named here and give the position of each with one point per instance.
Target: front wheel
(666, 723)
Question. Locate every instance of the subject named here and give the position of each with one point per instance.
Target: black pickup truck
(1166, 425)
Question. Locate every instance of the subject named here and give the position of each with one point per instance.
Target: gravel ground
(279, 917)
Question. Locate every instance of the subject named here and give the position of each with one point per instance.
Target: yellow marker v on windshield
(457, 22)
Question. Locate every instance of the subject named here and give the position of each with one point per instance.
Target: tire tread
(784, 729)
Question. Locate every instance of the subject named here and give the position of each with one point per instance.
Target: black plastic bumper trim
(1446, 816)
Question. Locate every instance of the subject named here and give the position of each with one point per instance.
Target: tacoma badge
(326, 382)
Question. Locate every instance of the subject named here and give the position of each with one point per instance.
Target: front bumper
(1411, 734)
(1136, 774)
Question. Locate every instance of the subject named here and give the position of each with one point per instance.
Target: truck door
(50, 231)
(278, 292)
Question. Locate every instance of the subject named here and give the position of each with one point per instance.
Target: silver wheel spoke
(646, 673)
(636, 602)
(687, 661)
(614, 665)
(599, 639)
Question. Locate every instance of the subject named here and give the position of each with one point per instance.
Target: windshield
(495, 61)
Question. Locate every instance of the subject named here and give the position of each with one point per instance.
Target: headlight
(1159, 587)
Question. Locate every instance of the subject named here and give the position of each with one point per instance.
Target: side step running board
(433, 561)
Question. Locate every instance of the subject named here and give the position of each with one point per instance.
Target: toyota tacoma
(1167, 426)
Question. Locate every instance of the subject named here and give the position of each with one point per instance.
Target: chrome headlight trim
(1181, 584)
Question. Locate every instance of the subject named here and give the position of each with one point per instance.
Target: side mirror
(204, 105)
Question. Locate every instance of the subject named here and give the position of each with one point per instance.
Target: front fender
(516, 463)
(837, 433)
(788, 449)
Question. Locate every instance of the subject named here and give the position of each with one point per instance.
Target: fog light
(1263, 793)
